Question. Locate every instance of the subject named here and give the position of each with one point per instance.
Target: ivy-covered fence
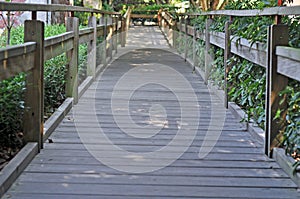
(254, 56)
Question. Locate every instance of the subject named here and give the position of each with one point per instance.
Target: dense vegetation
(12, 92)
(247, 80)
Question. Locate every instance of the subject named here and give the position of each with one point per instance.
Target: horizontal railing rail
(10, 6)
(30, 56)
(281, 62)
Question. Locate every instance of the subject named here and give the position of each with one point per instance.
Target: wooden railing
(281, 62)
(30, 56)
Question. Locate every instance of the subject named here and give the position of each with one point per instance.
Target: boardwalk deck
(148, 83)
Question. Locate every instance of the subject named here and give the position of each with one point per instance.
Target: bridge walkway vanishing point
(149, 127)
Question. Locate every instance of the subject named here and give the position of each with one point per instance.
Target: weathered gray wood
(91, 53)
(154, 190)
(144, 16)
(14, 65)
(16, 59)
(208, 53)
(185, 38)
(115, 34)
(194, 46)
(72, 58)
(292, 10)
(16, 166)
(58, 45)
(288, 62)
(85, 35)
(34, 97)
(235, 168)
(277, 35)
(227, 55)
(56, 118)
(12, 6)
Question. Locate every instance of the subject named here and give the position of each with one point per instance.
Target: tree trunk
(59, 17)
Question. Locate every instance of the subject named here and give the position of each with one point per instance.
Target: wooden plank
(288, 62)
(144, 16)
(17, 50)
(288, 52)
(15, 65)
(235, 168)
(85, 35)
(273, 11)
(16, 166)
(12, 6)
(58, 45)
(255, 53)
(16, 59)
(288, 68)
(154, 190)
(158, 180)
(227, 56)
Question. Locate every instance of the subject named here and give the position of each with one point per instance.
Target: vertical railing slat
(72, 59)
(34, 97)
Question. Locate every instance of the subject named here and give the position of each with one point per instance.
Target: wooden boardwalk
(120, 140)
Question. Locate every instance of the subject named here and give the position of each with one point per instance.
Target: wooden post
(34, 97)
(185, 39)
(208, 55)
(116, 35)
(110, 40)
(227, 55)
(174, 33)
(105, 41)
(92, 48)
(180, 32)
(72, 59)
(123, 32)
(277, 36)
(194, 46)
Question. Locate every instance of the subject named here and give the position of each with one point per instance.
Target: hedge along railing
(281, 62)
(30, 56)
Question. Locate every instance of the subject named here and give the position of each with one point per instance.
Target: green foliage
(82, 63)
(292, 119)
(54, 83)
(247, 80)
(11, 110)
(247, 88)
(12, 90)
(107, 7)
(217, 68)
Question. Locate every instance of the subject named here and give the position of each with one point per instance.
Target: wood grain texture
(235, 168)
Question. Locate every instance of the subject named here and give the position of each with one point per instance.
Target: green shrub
(12, 90)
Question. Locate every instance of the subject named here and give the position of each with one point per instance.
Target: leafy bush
(12, 91)
(247, 80)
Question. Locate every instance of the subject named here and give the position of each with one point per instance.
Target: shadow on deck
(149, 127)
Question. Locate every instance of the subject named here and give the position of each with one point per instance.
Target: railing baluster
(208, 55)
(92, 48)
(227, 55)
(34, 97)
(72, 59)
(278, 35)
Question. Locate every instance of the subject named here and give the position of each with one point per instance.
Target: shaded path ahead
(137, 132)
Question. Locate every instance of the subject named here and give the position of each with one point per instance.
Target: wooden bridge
(146, 125)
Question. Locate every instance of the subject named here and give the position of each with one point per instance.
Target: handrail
(19, 57)
(30, 56)
(281, 62)
(274, 11)
(10, 6)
